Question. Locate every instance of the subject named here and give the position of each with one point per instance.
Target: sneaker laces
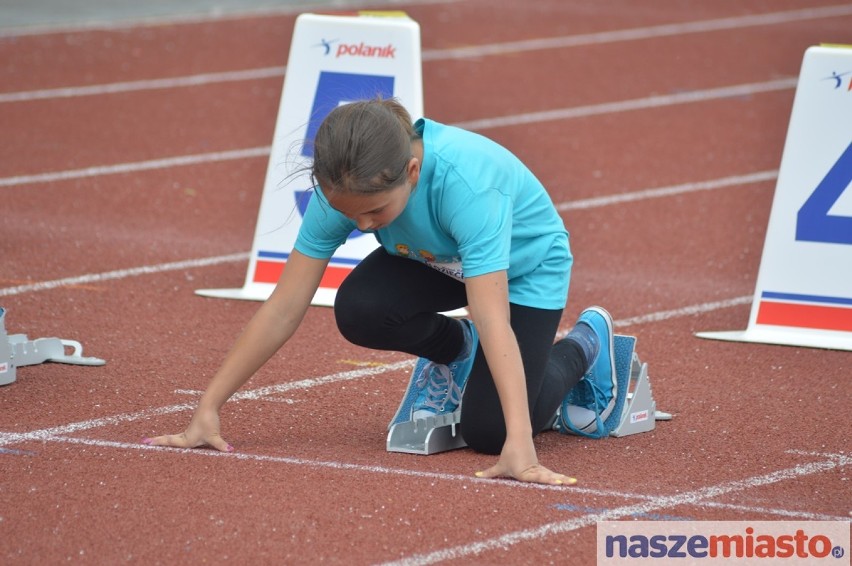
(598, 394)
(440, 387)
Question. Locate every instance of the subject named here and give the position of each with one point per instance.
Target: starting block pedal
(427, 436)
(635, 410)
(17, 350)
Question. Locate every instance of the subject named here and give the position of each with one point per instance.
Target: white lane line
(690, 310)
(843, 459)
(661, 316)
(724, 182)
(17, 437)
(150, 84)
(268, 398)
(122, 168)
(786, 513)
(650, 32)
(7, 438)
(483, 124)
(660, 101)
(653, 505)
(262, 392)
(336, 465)
(475, 51)
(122, 274)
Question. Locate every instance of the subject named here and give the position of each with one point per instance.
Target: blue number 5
(814, 223)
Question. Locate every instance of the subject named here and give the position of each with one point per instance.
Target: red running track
(105, 235)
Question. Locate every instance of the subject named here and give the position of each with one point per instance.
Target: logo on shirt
(448, 265)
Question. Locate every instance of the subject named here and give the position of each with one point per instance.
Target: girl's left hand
(520, 462)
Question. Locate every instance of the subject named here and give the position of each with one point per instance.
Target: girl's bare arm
(271, 326)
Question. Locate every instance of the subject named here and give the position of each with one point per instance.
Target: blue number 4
(814, 223)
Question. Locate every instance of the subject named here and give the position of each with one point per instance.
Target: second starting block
(17, 350)
(635, 410)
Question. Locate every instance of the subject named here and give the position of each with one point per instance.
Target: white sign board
(804, 287)
(333, 60)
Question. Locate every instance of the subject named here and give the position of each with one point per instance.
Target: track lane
(163, 339)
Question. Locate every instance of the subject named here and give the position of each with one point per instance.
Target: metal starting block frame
(635, 411)
(17, 350)
(427, 436)
(636, 408)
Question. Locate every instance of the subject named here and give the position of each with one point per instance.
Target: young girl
(461, 222)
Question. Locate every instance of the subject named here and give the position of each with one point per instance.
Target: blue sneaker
(585, 408)
(441, 386)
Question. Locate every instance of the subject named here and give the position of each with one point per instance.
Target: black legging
(394, 303)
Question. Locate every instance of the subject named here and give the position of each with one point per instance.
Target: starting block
(635, 410)
(17, 351)
(427, 436)
(422, 436)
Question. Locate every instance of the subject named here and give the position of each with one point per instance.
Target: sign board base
(780, 339)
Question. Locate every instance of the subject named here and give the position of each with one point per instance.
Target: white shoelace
(440, 388)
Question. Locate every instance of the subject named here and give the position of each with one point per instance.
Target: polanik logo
(360, 49)
(838, 79)
(326, 44)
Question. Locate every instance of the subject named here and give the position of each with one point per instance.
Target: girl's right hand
(203, 430)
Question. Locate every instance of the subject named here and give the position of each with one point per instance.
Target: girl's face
(371, 212)
(377, 210)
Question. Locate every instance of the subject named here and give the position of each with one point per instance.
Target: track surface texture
(131, 169)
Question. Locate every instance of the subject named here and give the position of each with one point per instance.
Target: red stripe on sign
(805, 316)
(334, 276)
(270, 272)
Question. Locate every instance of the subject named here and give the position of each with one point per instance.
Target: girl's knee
(483, 440)
(359, 318)
(352, 322)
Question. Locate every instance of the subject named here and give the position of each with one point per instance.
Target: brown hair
(363, 147)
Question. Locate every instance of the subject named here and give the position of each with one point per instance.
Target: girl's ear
(413, 171)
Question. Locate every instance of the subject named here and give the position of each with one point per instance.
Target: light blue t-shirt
(476, 209)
